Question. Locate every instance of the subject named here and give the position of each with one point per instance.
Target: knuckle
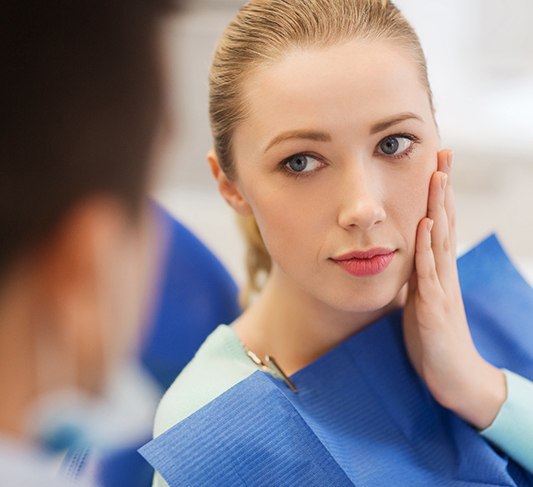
(453, 221)
(428, 274)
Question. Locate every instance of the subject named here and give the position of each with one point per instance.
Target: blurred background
(480, 57)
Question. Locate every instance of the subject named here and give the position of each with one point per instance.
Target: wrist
(482, 396)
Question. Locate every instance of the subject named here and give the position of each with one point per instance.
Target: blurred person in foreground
(83, 124)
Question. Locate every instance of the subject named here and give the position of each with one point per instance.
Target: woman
(83, 99)
(325, 143)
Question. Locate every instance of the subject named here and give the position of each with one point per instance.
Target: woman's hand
(436, 331)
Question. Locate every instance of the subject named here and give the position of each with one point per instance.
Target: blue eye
(301, 164)
(395, 145)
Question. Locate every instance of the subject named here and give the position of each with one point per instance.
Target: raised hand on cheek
(435, 327)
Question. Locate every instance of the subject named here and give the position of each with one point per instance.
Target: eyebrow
(394, 120)
(300, 134)
(325, 137)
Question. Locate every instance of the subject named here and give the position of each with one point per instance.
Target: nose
(362, 199)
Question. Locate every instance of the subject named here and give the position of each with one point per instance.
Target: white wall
(480, 56)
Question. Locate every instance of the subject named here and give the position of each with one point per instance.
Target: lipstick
(365, 263)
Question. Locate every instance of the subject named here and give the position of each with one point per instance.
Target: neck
(296, 328)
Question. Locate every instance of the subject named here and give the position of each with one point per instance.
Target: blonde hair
(262, 33)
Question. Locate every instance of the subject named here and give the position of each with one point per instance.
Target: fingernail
(450, 159)
(444, 180)
(430, 225)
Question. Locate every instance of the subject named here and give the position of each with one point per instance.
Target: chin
(370, 302)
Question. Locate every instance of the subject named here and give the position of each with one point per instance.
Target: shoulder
(220, 363)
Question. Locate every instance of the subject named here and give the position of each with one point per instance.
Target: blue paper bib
(361, 415)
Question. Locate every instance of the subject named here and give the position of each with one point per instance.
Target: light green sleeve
(219, 364)
(159, 481)
(512, 430)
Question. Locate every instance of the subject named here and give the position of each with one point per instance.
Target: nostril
(364, 214)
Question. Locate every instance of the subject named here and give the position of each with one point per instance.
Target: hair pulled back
(262, 33)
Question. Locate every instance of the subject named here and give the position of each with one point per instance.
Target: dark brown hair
(82, 99)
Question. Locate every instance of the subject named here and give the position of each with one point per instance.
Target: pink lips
(365, 263)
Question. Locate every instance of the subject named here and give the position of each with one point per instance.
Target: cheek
(130, 289)
(280, 225)
(289, 221)
(408, 204)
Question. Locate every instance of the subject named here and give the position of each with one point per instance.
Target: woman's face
(335, 157)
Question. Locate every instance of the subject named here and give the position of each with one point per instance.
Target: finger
(445, 164)
(440, 238)
(426, 273)
(442, 161)
(412, 285)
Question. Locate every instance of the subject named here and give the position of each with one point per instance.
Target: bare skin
(331, 113)
(436, 331)
(71, 308)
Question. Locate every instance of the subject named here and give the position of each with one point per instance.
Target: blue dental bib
(361, 416)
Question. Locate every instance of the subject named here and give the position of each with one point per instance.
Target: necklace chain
(271, 367)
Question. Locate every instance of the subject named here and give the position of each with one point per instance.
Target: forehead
(348, 85)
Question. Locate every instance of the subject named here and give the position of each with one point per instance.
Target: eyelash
(413, 138)
(283, 164)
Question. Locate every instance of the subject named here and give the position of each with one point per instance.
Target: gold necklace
(271, 367)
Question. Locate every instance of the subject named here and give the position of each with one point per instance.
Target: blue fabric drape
(361, 415)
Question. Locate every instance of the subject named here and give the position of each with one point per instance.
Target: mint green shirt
(512, 430)
(221, 362)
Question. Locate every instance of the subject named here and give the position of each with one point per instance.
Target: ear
(227, 187)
